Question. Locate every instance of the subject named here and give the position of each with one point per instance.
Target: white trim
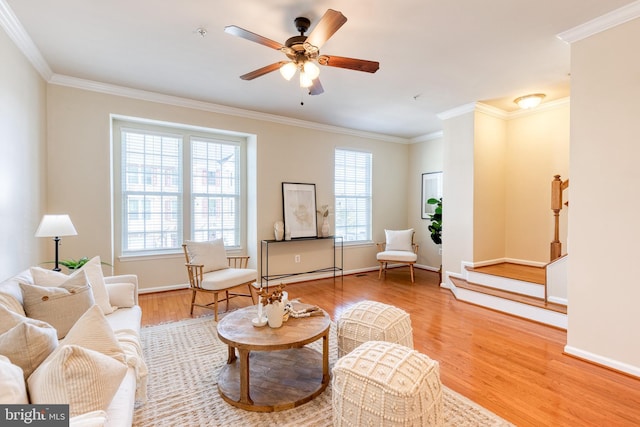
(558, 300)
(601, 23)
(457, 111)
(16, 32)
(110, 89)
(428, 137)
(506, 284)
(509, 260)
(604, 361)
(163, 288)
(545, 106)
(492, 111)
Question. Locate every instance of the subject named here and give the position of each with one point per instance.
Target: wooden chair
(398, 248)
(211, 271)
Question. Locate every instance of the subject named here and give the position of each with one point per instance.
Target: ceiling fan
(303, 52)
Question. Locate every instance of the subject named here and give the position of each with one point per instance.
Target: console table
(265, 277)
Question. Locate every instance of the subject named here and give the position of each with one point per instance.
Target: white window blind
(151, 191)
(353, 195)
(178, 185)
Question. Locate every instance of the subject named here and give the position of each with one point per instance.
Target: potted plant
(436, 221)
(274, 305)
(73, 264)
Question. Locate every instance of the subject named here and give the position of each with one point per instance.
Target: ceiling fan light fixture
(305, 81)
(288, 70)
(311, 70)
(529, 101)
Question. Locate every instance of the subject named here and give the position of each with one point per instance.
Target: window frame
(187, 133)
(368, 199)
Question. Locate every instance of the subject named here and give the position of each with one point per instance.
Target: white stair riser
(506, 284)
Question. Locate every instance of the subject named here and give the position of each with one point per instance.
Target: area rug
(184, 359)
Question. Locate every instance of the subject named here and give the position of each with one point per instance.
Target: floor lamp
(56, 226)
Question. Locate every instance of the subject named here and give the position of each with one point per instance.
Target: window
(176, 184)
(353, 195)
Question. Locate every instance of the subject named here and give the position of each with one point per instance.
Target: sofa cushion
(210, 254)
(90, 419)
(92, 331)
(12, 303)
(59, 306)
(12, 386)
(93, 271)
(399, 240)
(122, 295)
(28, 342)
(84, 379)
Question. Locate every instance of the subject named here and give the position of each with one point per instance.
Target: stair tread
(525, 273)
(512, 296)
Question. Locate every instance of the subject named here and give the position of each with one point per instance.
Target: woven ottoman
(386, 384)
(373, 321)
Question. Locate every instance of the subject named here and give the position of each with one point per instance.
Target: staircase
(516, 289)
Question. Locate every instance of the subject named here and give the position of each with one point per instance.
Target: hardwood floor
(513, 367)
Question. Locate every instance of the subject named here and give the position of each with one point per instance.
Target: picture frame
(299, 208)
(431, 188)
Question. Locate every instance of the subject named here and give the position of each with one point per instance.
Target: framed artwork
(431, 188)
(299, 206)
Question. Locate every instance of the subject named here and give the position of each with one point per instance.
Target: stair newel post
(557, 186)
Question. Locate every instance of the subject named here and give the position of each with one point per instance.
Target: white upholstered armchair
(399, 249)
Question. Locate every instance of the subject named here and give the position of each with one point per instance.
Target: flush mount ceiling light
(529, 101)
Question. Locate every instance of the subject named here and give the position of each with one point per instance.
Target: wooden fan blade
(245, 34)
(330, 22)
(316, 88)
(262, 71)
(349, 63)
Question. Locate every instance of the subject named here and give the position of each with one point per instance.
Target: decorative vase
(278, 230)
(275, 313)
(324, 231)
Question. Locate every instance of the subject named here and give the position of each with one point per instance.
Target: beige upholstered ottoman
(373, 321)
(386, 384)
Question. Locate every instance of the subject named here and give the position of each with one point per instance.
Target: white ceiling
(434, 55)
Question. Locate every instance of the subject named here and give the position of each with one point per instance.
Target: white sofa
(122, 292)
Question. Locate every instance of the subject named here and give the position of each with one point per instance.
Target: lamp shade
(288, 70)
(55, 226)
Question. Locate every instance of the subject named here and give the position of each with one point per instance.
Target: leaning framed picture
(299, 206)
(431, 188)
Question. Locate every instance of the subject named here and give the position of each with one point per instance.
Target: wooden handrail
(557, 187)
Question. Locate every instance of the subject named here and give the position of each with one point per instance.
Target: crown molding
(17, 33)
(457, 111)
(143, 95)
(601, 23)
(545, 106)
(492, 111)
(428, 137)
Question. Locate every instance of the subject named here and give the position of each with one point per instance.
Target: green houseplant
(73, 264)
(435, 228)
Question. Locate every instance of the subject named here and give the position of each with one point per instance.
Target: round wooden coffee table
(273, 370)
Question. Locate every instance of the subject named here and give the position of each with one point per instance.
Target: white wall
(80, 168)
(23, 161)
(603, 215)
(424, 157)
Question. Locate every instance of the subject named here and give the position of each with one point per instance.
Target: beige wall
(490, 148)
(604, 234)
(538, 149)
(23, 161)
(80, 170)
(425, 156)
(457, 205)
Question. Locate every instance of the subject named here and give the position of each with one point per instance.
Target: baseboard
(603, 361)
(509, 260)
(163, 288)
(558, 300)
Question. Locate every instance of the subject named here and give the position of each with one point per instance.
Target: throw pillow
(26, 342)
(84, 379)
(122, 295)
(59, 306)
(10, 302)
(210, 254)
(12, 386)
(93, 271)
(92, 331)
(399, 240)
